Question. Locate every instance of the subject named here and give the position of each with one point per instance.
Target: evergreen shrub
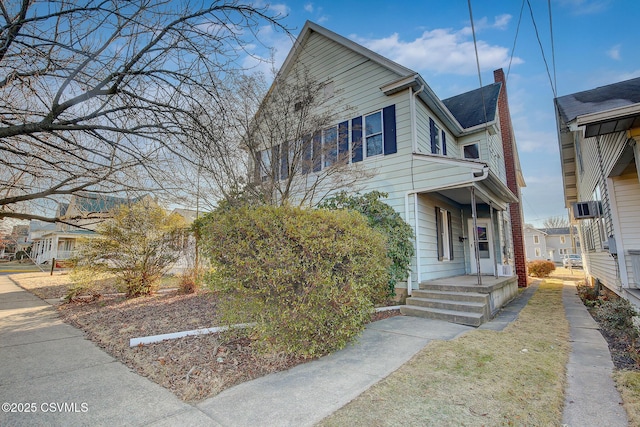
(307, 278)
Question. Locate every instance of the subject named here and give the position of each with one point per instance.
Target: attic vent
(585, 210)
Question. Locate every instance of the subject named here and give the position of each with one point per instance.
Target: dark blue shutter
(317, 152)
(284, 160)
(389, 123)
(275, 163)
(307, 159)
(444, 143)
(439, 243)
(432, 133)
(343, 142)
(356, 139)
(450, 225)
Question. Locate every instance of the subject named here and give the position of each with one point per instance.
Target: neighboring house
(535, 243)
(550, 244)
(188, 258)
(78, 218)
(599, 132)
(440, 161)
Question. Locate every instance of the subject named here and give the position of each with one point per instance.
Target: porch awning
(489, 187)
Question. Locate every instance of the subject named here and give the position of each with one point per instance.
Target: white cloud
(442, 51)
(614, 52)
(308, 7)
(585, 7)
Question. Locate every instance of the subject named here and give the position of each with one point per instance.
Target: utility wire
(544, 58)
(513, 49)
(475, 46)
(553, 50)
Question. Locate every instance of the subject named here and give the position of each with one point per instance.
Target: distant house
(599, 136)
(78, 218)
(549, 243)
(450, 167)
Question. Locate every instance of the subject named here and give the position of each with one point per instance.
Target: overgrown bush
(308, 278)
(540, 268)
(385, 219)
(137, 245)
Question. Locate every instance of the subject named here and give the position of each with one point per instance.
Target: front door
(485, 244)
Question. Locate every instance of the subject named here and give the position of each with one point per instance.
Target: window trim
(365, 136)
(444, 235)
(476, 143)
(536, 239)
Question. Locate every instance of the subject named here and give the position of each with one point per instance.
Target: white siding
(627, 196)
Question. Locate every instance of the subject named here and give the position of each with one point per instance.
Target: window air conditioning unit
(586, 210)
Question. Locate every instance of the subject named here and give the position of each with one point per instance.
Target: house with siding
(450, 168)
(550, 244)
(77, 219)
(598, 133)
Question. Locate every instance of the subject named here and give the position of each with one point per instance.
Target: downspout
(414, 123)
(414, 149)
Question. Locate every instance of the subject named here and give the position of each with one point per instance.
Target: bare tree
(556, 222)
(287, 145)
(102, 95)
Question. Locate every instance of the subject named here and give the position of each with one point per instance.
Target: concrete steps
(451, 303)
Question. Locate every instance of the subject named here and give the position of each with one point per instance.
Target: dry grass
(628, 384)
(514, 377)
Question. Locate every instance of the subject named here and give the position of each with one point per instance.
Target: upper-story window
(562, 239)
(536, 240)
(330, 144)
(438, 138)
(471, 151)
(373, 134)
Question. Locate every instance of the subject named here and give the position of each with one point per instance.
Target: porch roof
(489, 187)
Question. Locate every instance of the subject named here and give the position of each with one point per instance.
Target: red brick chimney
(515, 209)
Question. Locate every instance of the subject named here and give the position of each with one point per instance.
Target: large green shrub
(308, 278)
(381, 217)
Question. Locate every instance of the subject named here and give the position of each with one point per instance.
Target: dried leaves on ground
(194, 367)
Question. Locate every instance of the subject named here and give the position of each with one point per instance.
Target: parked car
(572, 260)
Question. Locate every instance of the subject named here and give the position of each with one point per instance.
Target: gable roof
(462, 104)
(468, 107)
(556, 231)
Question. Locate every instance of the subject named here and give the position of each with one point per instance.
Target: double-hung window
(330, 146)
(471, 151)
(373, 134)
(536, 240)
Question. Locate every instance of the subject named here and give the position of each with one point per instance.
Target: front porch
(461, 299)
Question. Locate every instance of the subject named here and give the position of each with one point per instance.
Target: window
(436, 147)
(265, 164)
(536, 240)
(471, 151)
(330, 146)
(563, 251)
(444, 235)
(562, 240)
(373, 134)
(538, 252)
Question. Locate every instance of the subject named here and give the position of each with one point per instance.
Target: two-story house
(78, 218)
(550, 244)
(450, 167)
(598, 133)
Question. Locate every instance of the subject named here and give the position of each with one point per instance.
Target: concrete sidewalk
(49, 369)
(591, 398)
(46, 362)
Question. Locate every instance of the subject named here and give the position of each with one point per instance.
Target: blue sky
(595, 43)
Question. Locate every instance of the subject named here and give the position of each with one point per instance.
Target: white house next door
(485, 239)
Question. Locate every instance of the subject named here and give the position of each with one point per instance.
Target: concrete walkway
(591, 398)
(45, 362)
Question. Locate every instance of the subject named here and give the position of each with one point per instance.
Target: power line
(513, 49)
(544, 58)
(475, 46)
(553, 50)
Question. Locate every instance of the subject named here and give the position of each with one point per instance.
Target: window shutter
(389, 124)
(306, 155)
(432, 135)
(343, 142)
(356, 140)
(317, 152)
(275, 164)
(440, 244)
(444, 143)
(284, 160)
(450, 232)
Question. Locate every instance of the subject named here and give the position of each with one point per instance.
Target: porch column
(476, 245)
(493, 235)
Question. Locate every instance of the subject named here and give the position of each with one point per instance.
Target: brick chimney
(515, 209)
